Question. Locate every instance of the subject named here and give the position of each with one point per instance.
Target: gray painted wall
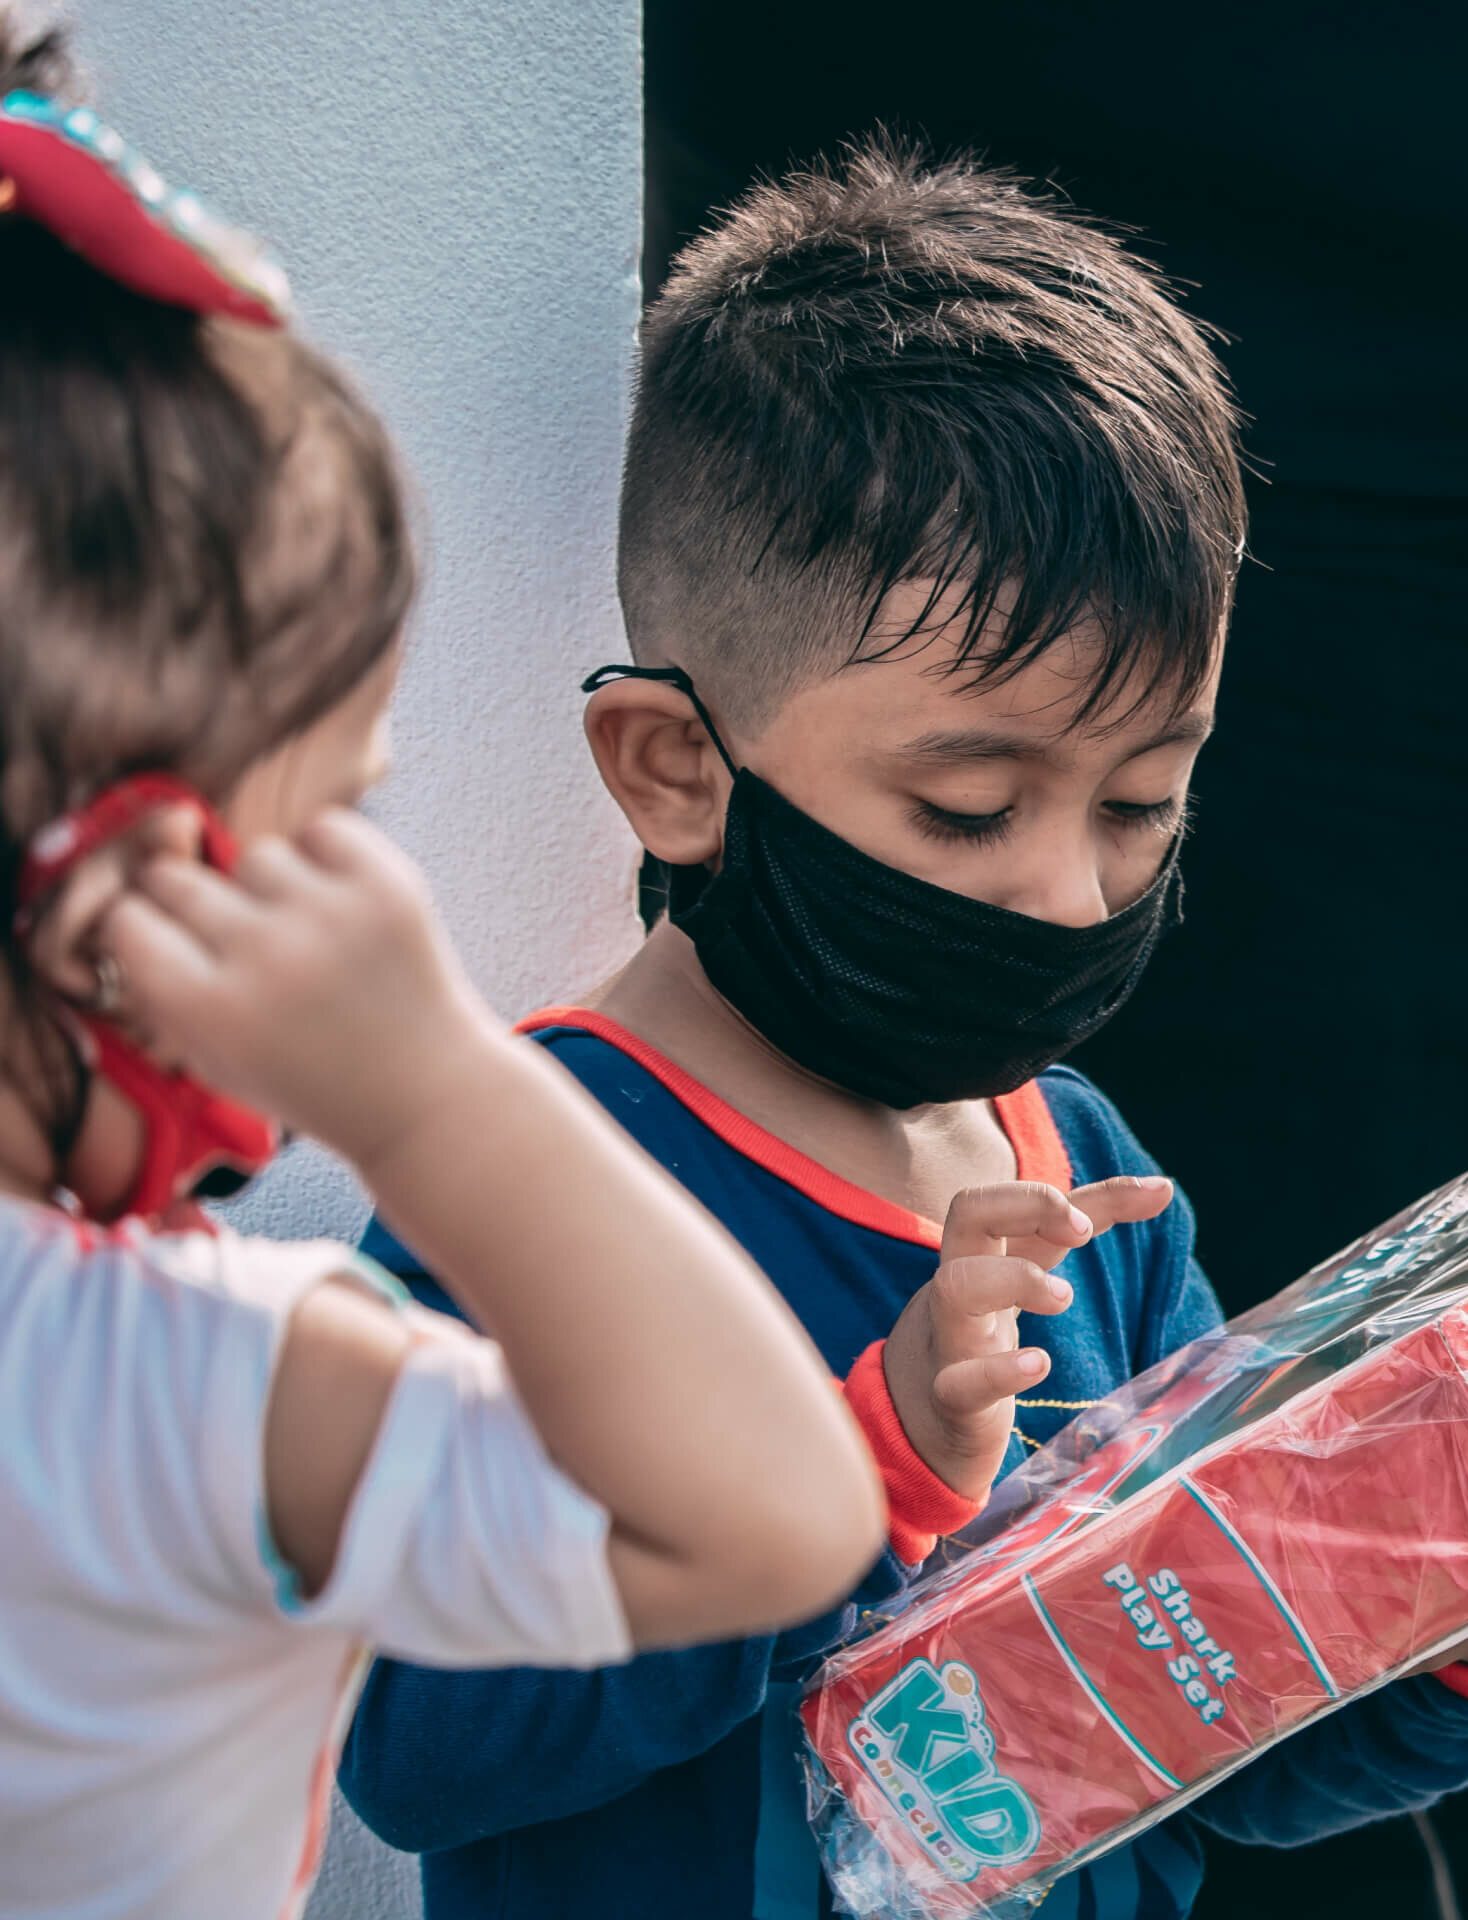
(454, 188)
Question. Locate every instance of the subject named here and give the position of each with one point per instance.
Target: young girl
(228, 1467)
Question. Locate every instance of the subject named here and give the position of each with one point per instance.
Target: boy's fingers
(1124, 1197)
(1106, 1204)
(981, 1285)
(208, 905)
(982, 1219)
(969, 1387)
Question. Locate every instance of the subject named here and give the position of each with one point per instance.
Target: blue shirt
(668, 1789)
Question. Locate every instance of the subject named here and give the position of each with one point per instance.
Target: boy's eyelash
(939, 823)
(1151, 813)
(1174, 817)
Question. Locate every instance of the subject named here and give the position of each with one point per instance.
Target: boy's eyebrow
(942, 749)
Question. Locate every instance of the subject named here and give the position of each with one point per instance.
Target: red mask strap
(74, 837)
(189, 1129)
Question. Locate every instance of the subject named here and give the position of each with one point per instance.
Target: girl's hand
(953, 1361)
(659, 1367)
(315, 983)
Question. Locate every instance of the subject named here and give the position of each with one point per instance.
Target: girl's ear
(63, 949)
(660, 766)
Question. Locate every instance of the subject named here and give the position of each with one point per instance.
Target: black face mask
(897, 990)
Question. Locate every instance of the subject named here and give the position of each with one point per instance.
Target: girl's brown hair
(203, 541)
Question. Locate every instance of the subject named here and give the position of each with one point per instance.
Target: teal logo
(925, 1742)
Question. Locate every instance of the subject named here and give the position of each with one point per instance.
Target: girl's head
(204, 570)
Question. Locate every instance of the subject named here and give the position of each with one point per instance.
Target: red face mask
(196, 1143)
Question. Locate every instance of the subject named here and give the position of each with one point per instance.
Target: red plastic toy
(1270, 1523)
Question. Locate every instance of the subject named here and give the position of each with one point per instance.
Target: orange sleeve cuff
(920, 1506)
(1454, 1677)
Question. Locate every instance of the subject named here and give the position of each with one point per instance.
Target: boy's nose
(1065, 890)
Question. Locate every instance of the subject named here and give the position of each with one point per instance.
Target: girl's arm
(661, 1370)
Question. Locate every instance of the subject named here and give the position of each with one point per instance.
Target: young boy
(929, 532)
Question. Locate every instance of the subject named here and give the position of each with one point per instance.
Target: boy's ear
(63, 949)
(661, 768)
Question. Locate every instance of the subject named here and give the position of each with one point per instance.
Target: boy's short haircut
(887, 370)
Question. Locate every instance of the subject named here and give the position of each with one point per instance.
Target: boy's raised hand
(954, 1362)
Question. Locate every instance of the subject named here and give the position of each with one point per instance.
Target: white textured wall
(454, 188)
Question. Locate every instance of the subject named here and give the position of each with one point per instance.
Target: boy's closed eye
(1166, 816)
(1013, 792)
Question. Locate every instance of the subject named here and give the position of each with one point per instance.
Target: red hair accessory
(72, 174)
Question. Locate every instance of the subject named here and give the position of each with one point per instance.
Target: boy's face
(991, 792)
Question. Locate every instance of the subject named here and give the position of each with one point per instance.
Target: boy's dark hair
(888, 370)
(203, 543)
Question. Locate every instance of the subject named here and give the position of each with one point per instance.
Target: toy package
(1269, 1523)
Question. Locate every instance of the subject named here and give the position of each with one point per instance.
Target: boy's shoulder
(1150, 1268)
(688, 1127)
(603, 1057)
(1096, 1138)
(1100, 1144)
(751, 1182)
(611, 1064)
(669, 1113)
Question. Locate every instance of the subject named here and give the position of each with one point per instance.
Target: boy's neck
(918, 1158)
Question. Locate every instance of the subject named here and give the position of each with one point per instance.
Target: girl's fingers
(202, 902)
(272, 869)
(970, 1387)
(165, 967)
(342, 841)
(982, 1219)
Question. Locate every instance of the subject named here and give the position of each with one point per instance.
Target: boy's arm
(1396, 1751)
(1399, 1749)
(437, 1760)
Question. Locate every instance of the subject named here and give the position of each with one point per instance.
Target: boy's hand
(315, 983)
(953, 1361)
(1452, 1656)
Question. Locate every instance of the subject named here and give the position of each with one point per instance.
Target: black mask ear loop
(673, 677)
(652, 880)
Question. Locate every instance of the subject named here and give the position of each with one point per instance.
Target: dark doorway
(1298, 1057)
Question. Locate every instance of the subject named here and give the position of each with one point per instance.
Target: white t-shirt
(170, 1712)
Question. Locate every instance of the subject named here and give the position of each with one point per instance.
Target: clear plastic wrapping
(1266, 1525)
